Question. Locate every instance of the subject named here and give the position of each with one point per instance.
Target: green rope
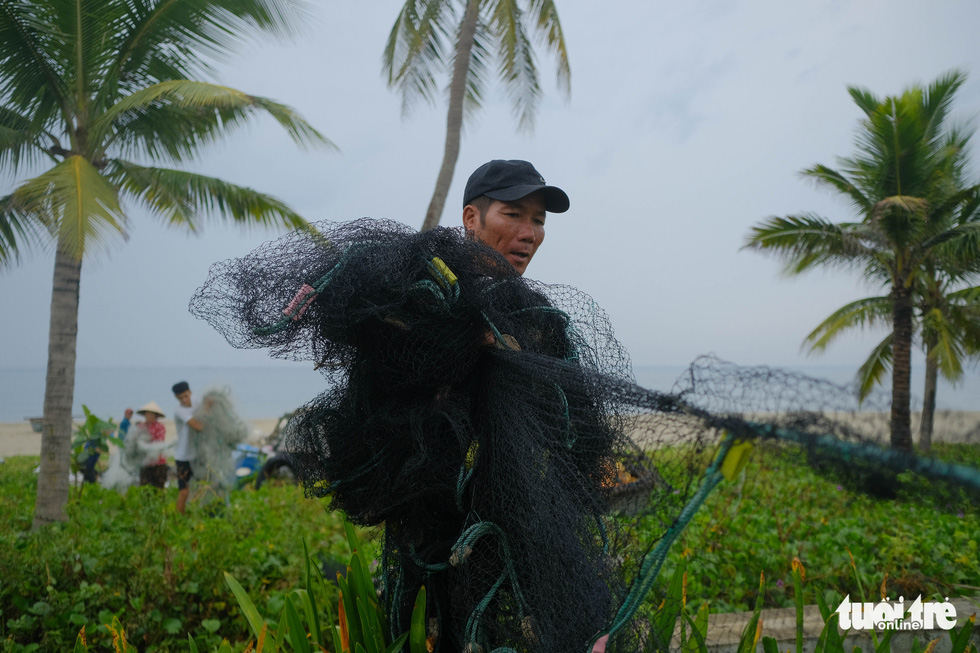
(496, 333)
(461, 551)
(897, 461)
(603, 533)
(374, 461)
(571, 438)
(464, 477)
(653, 562)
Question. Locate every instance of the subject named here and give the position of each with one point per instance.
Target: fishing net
(492, 425)
(222, 431)
(125, 461)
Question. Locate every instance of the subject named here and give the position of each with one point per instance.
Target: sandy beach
(18, 439)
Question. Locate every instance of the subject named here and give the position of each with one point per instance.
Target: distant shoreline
(260, 391)
(18, 439)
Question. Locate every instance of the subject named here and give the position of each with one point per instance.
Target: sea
(269, 392)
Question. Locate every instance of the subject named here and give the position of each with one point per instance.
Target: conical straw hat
(151, 407)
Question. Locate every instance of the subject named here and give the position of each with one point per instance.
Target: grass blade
(369, 628)
(297, 634)
(309, 601)
(252, 615)
(417, 629)
(666, 617)
(398, 643)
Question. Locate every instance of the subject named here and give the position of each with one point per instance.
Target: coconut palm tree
(947, 323)
(464, 38)
(904, 184)
(100, 91)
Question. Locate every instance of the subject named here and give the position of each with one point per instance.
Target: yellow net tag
(471, 454)
(444, 270)
(735, 459)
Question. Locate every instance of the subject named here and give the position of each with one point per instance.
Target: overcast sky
(688, 122)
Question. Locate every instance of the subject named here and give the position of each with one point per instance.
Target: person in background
(185, 454)
(89, 473)
(151, 429)
(124, 424)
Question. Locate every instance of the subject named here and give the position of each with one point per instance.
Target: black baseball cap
(511, 180)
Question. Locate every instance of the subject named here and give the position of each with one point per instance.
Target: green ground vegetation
(160, 572)
(133, 557)
(924, 541)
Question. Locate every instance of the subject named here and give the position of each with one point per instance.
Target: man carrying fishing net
(487, 465)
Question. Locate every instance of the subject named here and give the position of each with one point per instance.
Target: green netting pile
(137, 449)
(491, 425)
(214, 445)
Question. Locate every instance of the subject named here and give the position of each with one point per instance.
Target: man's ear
(471, 217)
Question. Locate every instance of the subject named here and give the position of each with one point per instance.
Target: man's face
(515, 229)
(184, 398)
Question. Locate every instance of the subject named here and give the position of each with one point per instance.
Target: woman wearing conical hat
(154, 469)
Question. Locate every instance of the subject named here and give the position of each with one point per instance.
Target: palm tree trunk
(901, 426)
(454, 118)
(59, 388)
(929, 401)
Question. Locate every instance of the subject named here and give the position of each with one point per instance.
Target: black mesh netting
(492, 425)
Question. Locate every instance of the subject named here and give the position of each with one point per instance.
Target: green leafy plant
(91, 436)
(361, 624)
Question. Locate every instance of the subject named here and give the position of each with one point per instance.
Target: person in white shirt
(184, 455)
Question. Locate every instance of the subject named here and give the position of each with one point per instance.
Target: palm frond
(867, 312)
(805, 241)
(515, 56)
(81, 203)
(961, 244)
(822, 175)
(183, 198)
(965, 296)
(548, 26)
(865, 99)
(158, 35)
(207, 109)
(938, 99)
(417, 51)
(17, 139)
(964, 314)
(30, 80)
(481, 57)
(944, 347)
(20, 230)
(873, 370)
